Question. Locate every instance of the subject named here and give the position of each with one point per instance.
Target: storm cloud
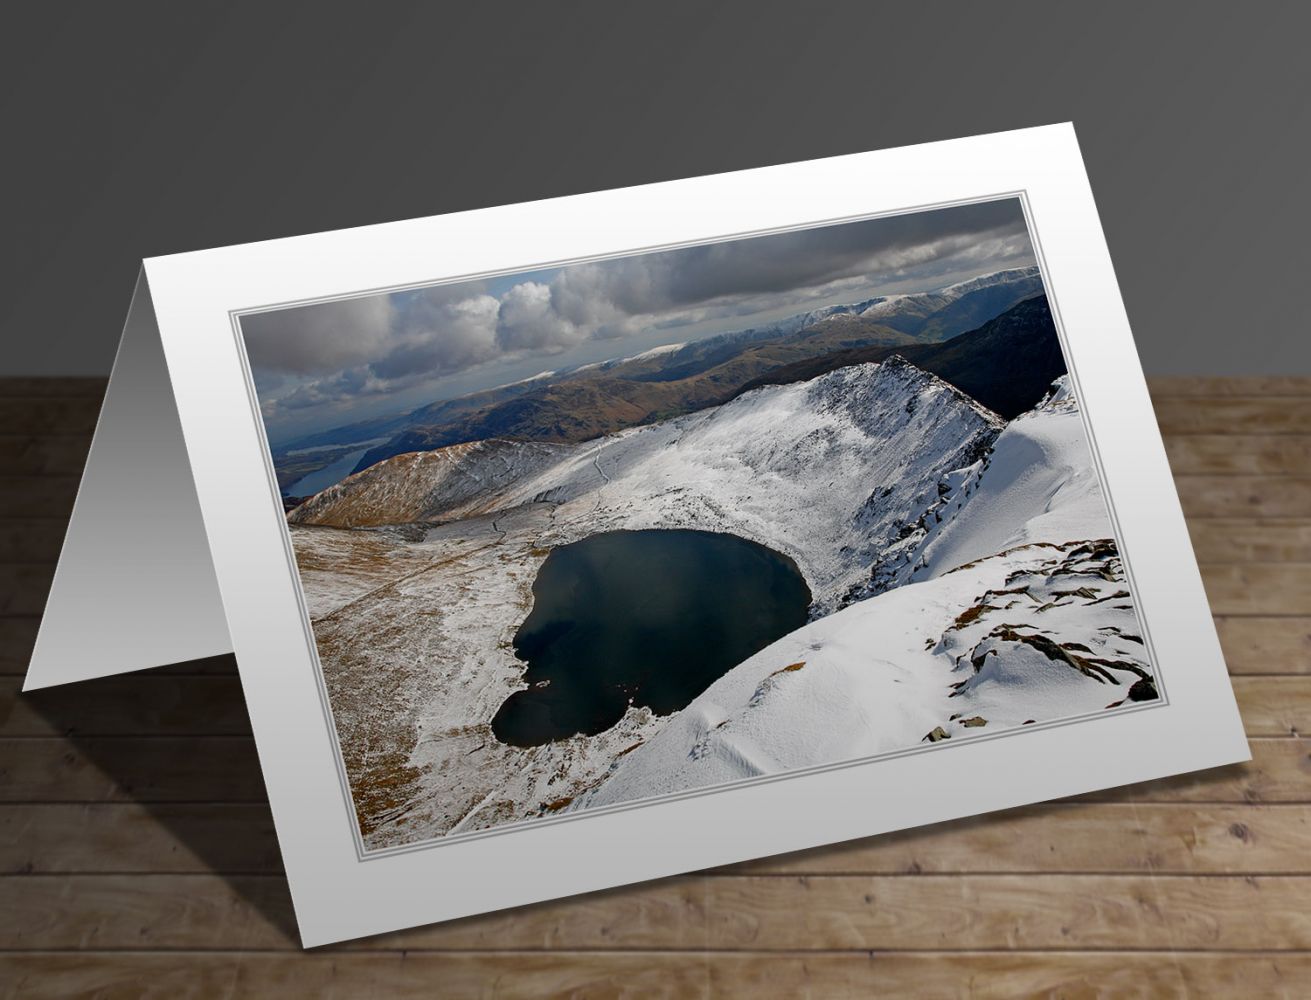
(313, 355)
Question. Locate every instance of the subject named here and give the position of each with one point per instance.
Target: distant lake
(647, 617)
(329, 475)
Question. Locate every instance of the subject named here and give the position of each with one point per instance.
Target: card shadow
(176, 741)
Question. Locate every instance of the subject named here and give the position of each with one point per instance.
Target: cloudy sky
(325, 365)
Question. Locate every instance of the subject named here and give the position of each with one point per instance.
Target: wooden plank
(17, 637)
(1274, 706)
(1165, 386)
(1234, 415)
(1258, 589)
(226, 769)
(60, 385)
(1260, 645)
(49, 415)
(138, 838)
(28, 455)
(1075, 838)
(201, 976)
(1241, 540)
(670, 974)
(31, 540)
(1279, 771)
(254, 912)
(1059, 837)
(131, 769)
(38, 496)
(136, 704)
(1239, 454)
(1012, 973)
(957, 912)
(1244, 496)
(813, 912)
(24, 587)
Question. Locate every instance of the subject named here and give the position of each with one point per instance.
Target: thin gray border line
(363, 855)
(325, 703)
(1114, 518)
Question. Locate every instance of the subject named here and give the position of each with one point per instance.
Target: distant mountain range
(1006, 367)
(1006, 364)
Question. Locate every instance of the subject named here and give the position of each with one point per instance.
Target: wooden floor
(139, 857)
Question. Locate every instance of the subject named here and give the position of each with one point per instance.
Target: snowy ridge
(930, 301)
(1012, 609)
(426, 485)
(824, 471)
(1036, 483)
(656, 351)
(988, 280)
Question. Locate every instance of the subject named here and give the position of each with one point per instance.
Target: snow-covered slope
(1036, 483)
(1021, 614)
(924, 304)
(825, 471)
(1042, 633)
(417, 640)
(962, 569)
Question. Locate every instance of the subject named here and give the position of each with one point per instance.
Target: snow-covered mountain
(415, 624)
(826, 472)
(1006, 605)
(962, 569)
(1037, 483)
(938, 315)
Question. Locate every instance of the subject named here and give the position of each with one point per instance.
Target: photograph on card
(590, 534)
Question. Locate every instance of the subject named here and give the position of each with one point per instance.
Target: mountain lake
(650, 618)
(329, 475)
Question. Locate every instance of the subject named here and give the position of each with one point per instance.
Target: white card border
(335, 894)
(362, 853)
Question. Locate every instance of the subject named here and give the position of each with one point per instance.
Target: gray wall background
(137, 129)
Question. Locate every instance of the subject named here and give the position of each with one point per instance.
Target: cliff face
(1005, 604)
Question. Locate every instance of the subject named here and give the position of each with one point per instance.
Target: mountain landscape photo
(843, 505)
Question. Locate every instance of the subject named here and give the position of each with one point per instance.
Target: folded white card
(575, 543)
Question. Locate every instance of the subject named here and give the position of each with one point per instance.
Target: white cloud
(528, 321)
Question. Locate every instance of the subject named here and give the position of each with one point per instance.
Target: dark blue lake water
(650, 618)
(329, 475)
